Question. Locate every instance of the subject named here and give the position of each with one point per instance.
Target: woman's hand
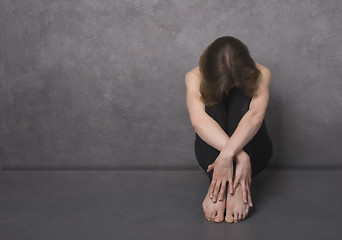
(243, 173)
(223, 172)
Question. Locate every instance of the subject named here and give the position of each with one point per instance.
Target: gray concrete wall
(101, 83)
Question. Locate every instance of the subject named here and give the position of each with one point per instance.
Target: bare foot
(214, 211)
(236, 209)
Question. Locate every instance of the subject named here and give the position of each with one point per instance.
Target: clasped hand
(223, 172)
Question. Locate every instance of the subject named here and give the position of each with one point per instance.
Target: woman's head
(224, 64)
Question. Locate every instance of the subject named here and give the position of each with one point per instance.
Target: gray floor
(289, 204)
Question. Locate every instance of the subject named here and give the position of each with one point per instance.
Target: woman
(227, 98)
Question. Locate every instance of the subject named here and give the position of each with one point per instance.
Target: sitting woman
(227, 97)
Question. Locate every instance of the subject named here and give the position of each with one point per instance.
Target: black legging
(228, 114)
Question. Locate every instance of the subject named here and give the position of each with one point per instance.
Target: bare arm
(251, 122)
(204, 125)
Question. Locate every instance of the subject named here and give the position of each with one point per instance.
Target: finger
(249, 196)
(244, 191)
(236, 182)
(223, 189)
(211, 188)
(210, 167)
(216, 190)
(231, 186)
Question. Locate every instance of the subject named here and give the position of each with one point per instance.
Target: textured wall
(101, 82)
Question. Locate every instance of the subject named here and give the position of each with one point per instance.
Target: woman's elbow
(196, 123)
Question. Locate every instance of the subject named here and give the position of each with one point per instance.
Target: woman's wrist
(228, 153)
(242, 156)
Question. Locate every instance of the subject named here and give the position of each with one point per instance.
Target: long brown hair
(224, 64)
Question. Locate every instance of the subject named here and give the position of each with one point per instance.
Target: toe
(207, 216)
(236, 217)
(229, 217)
(212, 215)
(244, 216)
(247, 210)
(240, 216)
(219, 217)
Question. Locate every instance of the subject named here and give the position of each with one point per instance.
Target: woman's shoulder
(195, 71)
(265, 77)
(194, 74)
(264, 70)
(193, 79)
